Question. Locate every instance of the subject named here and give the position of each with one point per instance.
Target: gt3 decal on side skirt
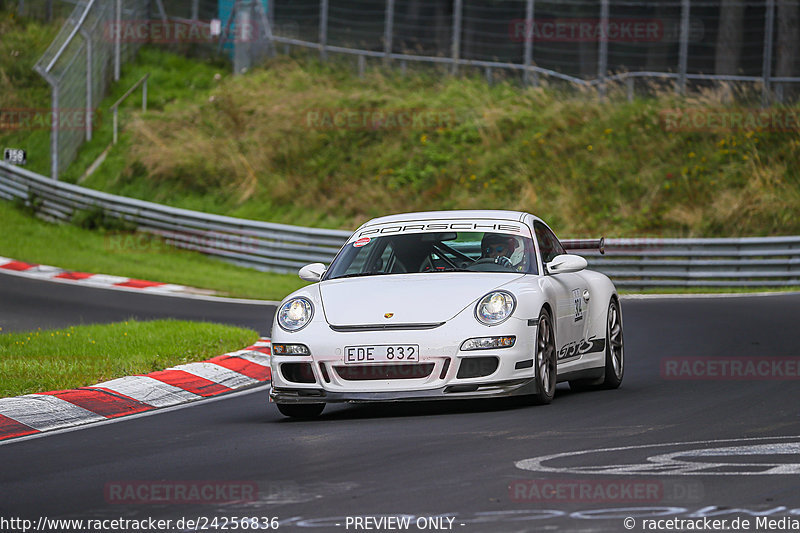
(574, 349)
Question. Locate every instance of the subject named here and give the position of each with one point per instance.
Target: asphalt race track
(642, 452)
(28, 304)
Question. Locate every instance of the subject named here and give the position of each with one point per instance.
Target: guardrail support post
(683, 58)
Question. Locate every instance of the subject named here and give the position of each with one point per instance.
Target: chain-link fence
(687, 43)
(681, 44)
(79, 65)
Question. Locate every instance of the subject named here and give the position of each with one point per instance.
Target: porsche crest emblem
(388, 315)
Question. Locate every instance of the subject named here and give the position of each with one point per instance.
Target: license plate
(390, 353)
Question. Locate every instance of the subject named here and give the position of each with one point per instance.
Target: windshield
(434, 252)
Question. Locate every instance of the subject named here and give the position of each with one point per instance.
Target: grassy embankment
(255, 146)
(40, 361)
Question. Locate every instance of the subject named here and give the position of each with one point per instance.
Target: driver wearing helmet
(498, 247)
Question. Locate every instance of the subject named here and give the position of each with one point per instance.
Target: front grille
(381, 372)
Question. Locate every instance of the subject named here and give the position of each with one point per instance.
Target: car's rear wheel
(545, 360)
(301, 410)
(614, 367)
(615, 352)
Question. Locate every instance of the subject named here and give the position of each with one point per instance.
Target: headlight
(295, 314)
(290, 349)
(495, 307)
(488, 343)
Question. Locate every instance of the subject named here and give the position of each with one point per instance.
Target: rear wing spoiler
(597, 245)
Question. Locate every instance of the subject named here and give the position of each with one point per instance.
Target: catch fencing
(631, 263)
(79, 66)
(745, 49)
(588, 43)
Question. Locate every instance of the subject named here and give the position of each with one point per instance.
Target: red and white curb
(51, 273)
(45, 411)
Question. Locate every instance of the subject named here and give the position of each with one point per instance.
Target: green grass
(46, 360)
(29, 239)
(246, 146)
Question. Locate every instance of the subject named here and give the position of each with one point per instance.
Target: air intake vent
(382, 372)
(477, 367)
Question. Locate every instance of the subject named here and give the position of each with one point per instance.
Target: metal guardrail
(631, 263)
(261, 245)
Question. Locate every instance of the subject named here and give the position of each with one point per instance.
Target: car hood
(410, 298)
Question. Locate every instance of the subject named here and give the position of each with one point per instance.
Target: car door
(571, 312)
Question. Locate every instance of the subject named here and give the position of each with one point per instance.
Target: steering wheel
(502, 261)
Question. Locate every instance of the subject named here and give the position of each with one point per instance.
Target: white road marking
(672, 464)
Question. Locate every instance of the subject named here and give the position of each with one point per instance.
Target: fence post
(323, 29)
(458, 9)
(87, 40)
(683, 60)
(195, 9)
(54, 127)
(49, 11)
(602, 56)
(530, 24)
(766, 69)
(117, 39)
(388, 31)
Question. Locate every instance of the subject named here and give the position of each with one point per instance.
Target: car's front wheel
(301, 410)
(545, 360)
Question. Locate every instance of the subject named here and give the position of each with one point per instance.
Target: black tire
(615, 351)
(301, 410)
(544, 361)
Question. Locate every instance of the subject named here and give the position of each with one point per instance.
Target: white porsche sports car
(446, 305)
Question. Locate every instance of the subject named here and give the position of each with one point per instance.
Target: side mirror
(566, 263)
(312, 272)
